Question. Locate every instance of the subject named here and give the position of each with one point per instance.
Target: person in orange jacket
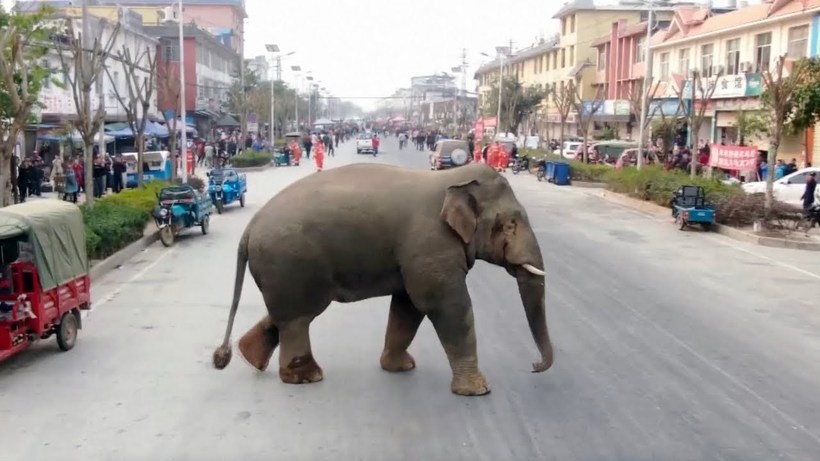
(503, 158)
(477, 158)
(295, 151)
(492, 156)
(319, 154)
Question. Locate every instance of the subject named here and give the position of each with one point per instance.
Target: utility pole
(183, 107)
(461, 99)
(244, 115)
(279, 68)
(645, 89)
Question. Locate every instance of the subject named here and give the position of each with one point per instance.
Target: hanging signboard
(735, 158)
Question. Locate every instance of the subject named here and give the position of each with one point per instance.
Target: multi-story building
(224, 19)
(730, 52)
(259, 66)
(210, 70)
(572, 58)
(428, 88)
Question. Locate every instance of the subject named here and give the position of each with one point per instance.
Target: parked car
(787, 189)
(449, 153)
(569, 150)
(364, 143)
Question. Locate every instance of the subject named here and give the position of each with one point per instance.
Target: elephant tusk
(534, 270)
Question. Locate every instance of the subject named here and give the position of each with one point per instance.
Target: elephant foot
(397, 362)
(258, 344)
(301, 370)
(470, 384)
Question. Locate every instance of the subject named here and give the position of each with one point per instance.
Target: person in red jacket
(477, 153)
(319, 154)
(503, 158)
(375, 145)
(492, 155)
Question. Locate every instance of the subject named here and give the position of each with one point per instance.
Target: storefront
(611, 114)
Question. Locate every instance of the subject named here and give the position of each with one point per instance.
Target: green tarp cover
(56, 232)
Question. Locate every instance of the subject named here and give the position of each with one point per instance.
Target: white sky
(360, 48)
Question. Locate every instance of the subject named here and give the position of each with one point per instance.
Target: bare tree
(777, 98)
(21, 79)
(698, 94)
(587, 110)
(563, 96)
(138, 71)
(82, 62)
(635, 97)
(169, 86)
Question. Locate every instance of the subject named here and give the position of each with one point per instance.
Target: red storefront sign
(189, 159)
(736, 158)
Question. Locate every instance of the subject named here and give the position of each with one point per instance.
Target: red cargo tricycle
(44, 283)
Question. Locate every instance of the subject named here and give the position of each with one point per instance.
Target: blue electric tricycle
(689, 207)
(179, 208)
(225, 186)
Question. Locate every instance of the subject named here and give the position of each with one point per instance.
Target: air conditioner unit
(167, 14)
(745, 67)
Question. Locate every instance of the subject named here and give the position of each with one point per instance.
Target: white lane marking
(723, 240)
(136, 276)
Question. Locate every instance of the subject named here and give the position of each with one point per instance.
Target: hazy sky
(369, 48)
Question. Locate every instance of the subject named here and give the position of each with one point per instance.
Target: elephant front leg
(296, 362)
(456, 331)
(402, 324)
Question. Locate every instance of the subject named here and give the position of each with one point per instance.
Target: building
(449, 113)
(259, 66)
(730, 52)
(570, 59)
(210, 70)
(427, 88)
(224, 19)
(57, 100)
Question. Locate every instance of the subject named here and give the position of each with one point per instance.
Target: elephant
(369, 230)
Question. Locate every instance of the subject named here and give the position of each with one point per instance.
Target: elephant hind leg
(403, 322)
(296, 362)
(257, 345)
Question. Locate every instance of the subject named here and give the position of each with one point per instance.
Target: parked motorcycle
(520, 163)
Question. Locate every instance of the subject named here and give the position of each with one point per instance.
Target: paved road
(669, 346)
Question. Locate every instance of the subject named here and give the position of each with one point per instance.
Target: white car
(787, 189)
(569, 149)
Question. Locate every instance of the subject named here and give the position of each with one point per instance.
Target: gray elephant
(368, 230)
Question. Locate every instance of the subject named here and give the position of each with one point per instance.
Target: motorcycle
(520, 163)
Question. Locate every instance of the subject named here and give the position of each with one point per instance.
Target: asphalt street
(669, 345)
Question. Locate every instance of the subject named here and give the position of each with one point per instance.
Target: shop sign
(668, 107)
(727, 87)
(623, 107)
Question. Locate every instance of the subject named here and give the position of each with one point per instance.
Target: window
(733, 56)
(564, 26)
(572, 55)
(798, 42)
(683, 61)
(602, 58)
(171, 53)
(563, 57)
(640, 51)
(47, 81)
(572, 24)
(706, 59)
(798, 179)
(763, 51)
(664, 75)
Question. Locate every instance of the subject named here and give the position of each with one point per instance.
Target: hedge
(251, 159)
(118, 220)
(653, 183)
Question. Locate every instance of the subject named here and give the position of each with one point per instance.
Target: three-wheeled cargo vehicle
(226, 185)
(44, 282)
(179, 208)
(284, 156)
(689, 207)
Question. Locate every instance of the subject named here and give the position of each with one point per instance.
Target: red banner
(479, 128)
(189, 159)
(736, 158)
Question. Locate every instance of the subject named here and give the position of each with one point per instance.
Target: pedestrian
(71, 184)
(296, 151)
(79, 173)
(319, 154)
(307, 144)
(24, 176)
(375, 145)
(477, 158)
(808, 193)
(328, 141)
(99, 173)
(118, 174)
(492, 155)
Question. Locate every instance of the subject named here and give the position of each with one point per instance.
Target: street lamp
(501, 51)
(182, 106)
(272, 48)
(648, 70)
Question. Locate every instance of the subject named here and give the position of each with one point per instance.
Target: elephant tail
(222, 354)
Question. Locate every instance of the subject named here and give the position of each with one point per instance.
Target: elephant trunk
(531, 288)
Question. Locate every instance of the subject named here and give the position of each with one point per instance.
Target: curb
(104, 267)
(726, 231)
(252, 169)
(588, 185)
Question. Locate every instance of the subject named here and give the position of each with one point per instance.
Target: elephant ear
(460, 210)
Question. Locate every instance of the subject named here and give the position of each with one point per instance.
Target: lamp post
(501, 51)
(274, 49)
(183, 148)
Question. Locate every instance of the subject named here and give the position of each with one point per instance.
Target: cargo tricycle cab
(44, 282)
(156, 167)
